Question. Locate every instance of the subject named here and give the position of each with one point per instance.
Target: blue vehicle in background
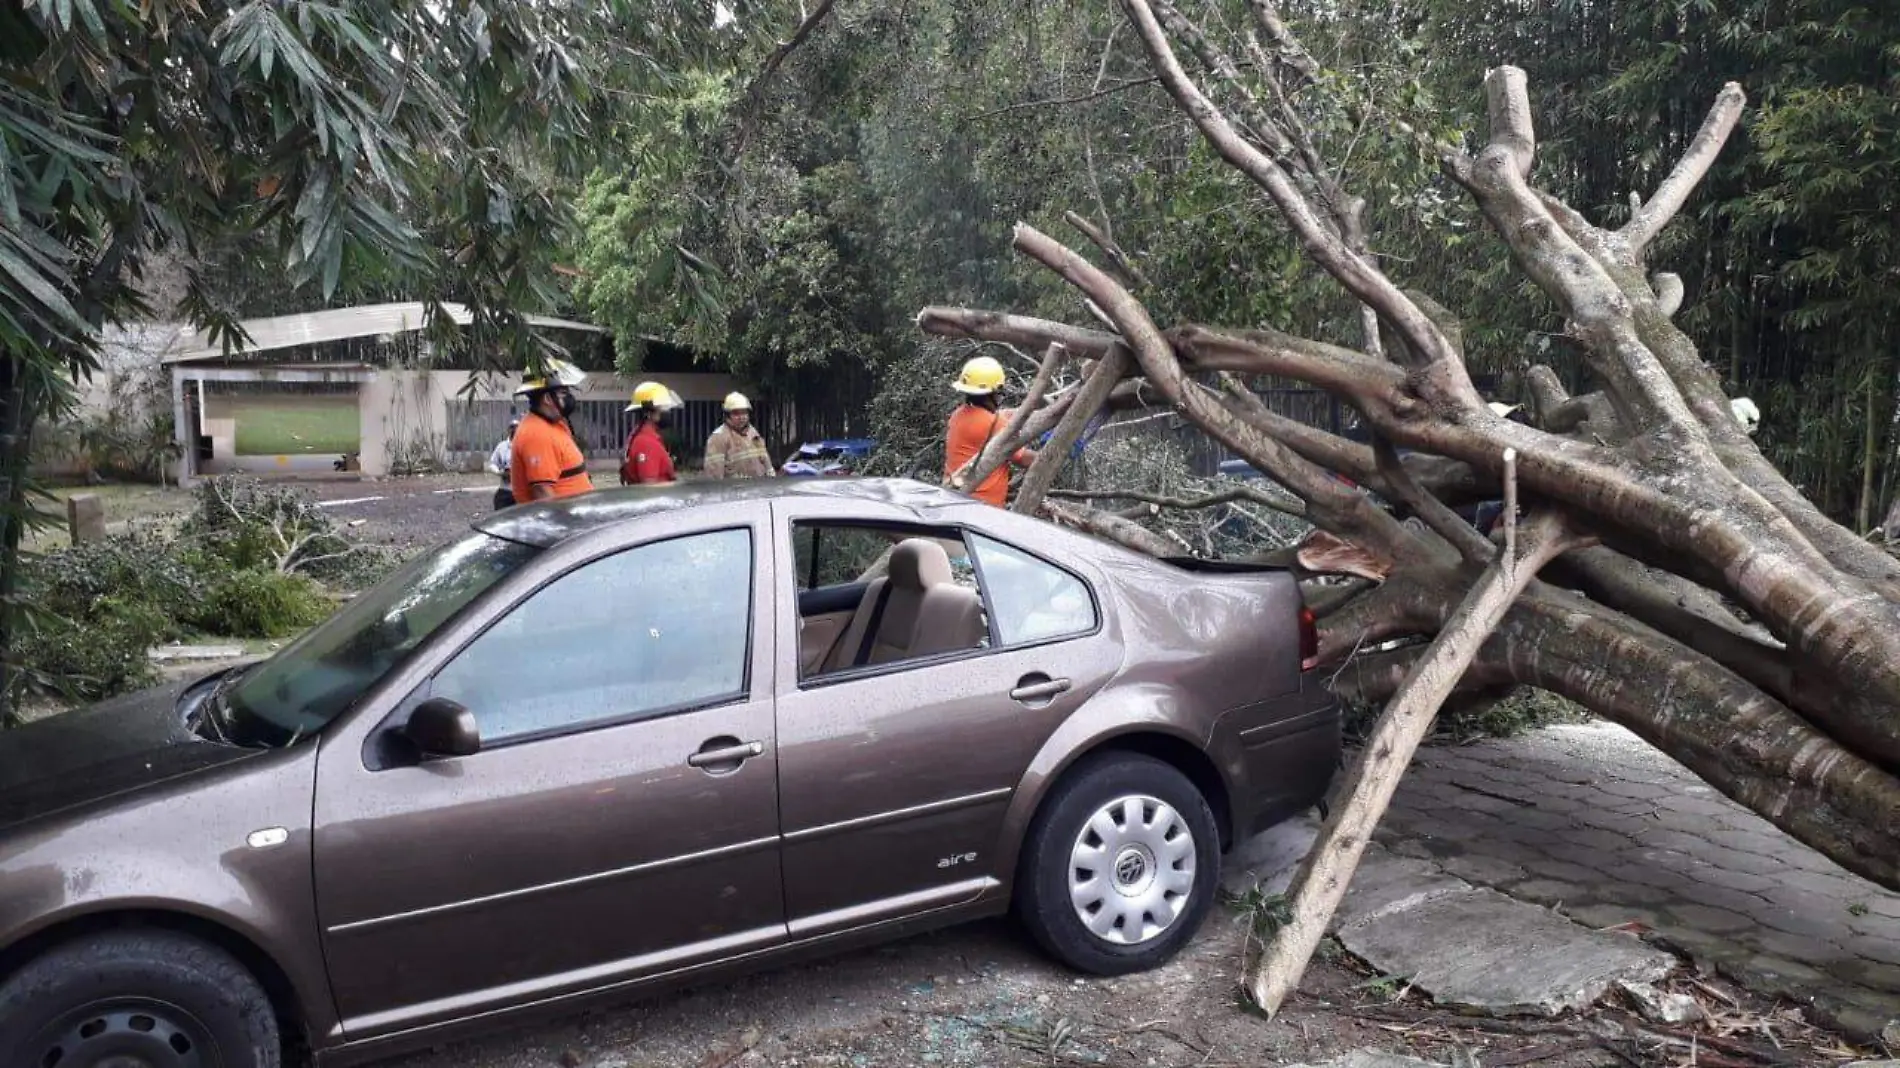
(833, 456)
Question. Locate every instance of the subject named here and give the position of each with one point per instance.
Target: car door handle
(725, 754)
(1027, 689)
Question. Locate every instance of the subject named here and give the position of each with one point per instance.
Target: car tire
(152, 997)
(1144, 910)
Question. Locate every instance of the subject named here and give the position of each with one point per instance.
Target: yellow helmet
(736, 402)
(981, 376)
(553, 373)
(653, 395)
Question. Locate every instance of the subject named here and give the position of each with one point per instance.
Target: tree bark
(1723, 618)
(1321, 882)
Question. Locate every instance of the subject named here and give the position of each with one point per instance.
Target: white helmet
(1746, 413)
(553, 373)
(736, 402)
(1503, 410)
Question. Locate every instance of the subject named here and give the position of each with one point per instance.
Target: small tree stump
(85, 518)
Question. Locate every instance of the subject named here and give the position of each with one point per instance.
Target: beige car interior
(923, 612)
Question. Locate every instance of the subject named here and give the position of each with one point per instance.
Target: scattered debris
(1371, 1058)
(1659, 1006)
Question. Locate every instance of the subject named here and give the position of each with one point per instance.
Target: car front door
(894, 778)
(620, 817)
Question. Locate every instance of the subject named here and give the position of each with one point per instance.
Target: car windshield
(313, 679)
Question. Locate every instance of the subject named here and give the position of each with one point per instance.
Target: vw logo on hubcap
(1130, 867)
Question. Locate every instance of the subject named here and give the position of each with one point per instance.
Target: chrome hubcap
(1131, 870)
(124, 1035)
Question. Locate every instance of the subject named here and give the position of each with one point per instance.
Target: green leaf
(41, 289)
(9, 198)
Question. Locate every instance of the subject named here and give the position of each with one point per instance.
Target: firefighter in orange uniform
(544, 460)
(974, 423)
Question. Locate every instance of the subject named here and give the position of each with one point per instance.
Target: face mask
(664, 420)
(566, 402)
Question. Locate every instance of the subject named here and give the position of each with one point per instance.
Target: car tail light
(1309, 639)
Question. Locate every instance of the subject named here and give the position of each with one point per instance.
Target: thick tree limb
(1444, 522)
(1026, 330)
(1673, 193)
(1374, 776)
(1689, 614)
(1087, 402)
(1114, 528)
(1722, 729)
(1359, 277)
(1286, 48)
(1350, 512)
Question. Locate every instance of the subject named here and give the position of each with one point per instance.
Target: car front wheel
(141, 999)
(1119, 867)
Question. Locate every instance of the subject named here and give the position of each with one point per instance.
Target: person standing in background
(974, 423)
(498, 465)
(735, 449)
(647, 462)
(544, 462)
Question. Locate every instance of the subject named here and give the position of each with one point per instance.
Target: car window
(653, 629)
(849, 555)
(850, 620)
(1031, 599)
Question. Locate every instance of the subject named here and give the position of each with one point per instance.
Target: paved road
(1592, 819)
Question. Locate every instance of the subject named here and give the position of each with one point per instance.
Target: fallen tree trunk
(1370, 782)
(1722, 617)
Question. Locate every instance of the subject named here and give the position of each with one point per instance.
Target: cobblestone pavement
(1592, 821)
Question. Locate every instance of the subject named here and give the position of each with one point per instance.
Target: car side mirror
(441, 727)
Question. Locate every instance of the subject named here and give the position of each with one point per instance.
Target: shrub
(255, 603)
(89, 582)
(106, 654)
(253, 525)
(244, 565)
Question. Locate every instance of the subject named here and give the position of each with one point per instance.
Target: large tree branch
(1673, 193)
(1352, 270)
(1087, 402)
(1444, 522)
(1024, 330)
(1713, 721)
(1330, 503)
(1114, 528)
(1599, 310)
(1372, 779)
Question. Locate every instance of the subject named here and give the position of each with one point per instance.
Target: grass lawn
(123, 502)
(287, 428)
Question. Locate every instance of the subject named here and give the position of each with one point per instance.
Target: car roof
(547, 523)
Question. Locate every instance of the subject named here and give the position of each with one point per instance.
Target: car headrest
(918, 564)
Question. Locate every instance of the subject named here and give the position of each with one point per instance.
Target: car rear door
(621, 818)
(894, 779)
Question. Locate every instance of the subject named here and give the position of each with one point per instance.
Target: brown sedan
(612, 744)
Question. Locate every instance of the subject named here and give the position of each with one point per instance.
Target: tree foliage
(431, 148)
